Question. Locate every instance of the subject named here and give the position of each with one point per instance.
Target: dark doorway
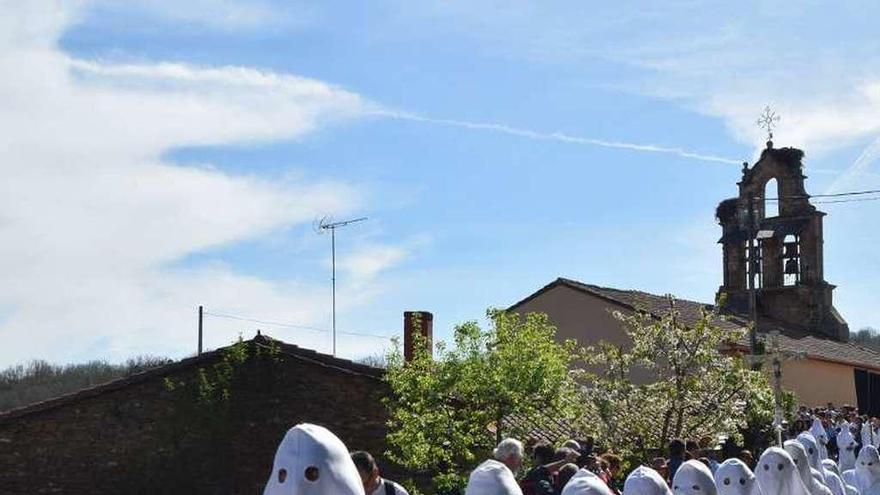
(868, 392)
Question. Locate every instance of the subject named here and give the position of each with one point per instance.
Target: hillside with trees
(868, 337)
(39, 380)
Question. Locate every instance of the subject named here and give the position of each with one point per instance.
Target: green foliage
(447, 411)
(39, 380)
(207, 407)
(697, 391)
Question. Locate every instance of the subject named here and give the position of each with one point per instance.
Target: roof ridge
(292, 350)
(816, 346)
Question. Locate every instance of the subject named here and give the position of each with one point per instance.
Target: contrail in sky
(858, 168)
(557, 136)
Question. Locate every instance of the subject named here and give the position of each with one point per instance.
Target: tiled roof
(288, 350)
(792, 338)
(545, 425)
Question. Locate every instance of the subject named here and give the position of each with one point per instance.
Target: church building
(783, 271)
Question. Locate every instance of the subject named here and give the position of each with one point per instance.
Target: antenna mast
(322, 226)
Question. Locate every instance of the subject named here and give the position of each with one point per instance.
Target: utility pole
(752, 271)
(776, 356)
(324, 225)
(201, 318)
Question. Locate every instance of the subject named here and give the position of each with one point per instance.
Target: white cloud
(91, 218)
(815, 63)
(225, 15)
(364, 265)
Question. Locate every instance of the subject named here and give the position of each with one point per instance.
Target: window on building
(771, 202)
(791, 260)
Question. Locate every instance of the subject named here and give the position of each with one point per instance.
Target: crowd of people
(827, 451)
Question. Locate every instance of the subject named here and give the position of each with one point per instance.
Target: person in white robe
(821, 436)
(799, 455)
(733, 477)
(585, 482)
(312, 460)
(693, 478)
(832, 478)
(846, 445)
(849, 477)
(867, 434)
(645, 481)
(868, 471)
(812, 446)
(497, 476)
(778, 475)
(832, 466)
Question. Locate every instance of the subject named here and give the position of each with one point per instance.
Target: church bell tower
(786, 263)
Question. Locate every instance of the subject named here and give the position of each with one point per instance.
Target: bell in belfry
(791, 267)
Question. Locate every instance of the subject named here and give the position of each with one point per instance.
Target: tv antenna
(321, 226)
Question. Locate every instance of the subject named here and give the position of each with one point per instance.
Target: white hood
(693, 478)
(846, 445)
(812, 447)
(313, 461)
(645, 481)
(778, 475)
(733, 477)
(868, 471)
(799, 455)
(821, 436)
(585, 482)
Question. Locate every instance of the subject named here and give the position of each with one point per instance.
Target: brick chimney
(417, 321)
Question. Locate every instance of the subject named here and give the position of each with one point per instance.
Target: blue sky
(166, 155)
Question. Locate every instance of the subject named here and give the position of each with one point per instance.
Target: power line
(293, 325)
(833, 195)
(266, 322)
(854, 200)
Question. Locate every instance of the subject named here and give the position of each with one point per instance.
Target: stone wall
(143, 437)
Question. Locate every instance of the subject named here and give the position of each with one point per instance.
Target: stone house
(785, 265)
(206, 424)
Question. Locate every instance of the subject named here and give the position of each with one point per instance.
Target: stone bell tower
(787, 261)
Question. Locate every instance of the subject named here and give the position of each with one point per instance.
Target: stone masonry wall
(143, 438)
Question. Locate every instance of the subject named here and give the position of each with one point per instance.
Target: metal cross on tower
(768, 121)
(775, 355)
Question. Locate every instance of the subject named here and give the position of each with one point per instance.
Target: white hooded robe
(846, 445)
(733, 477)
(799, 455)
(778, 475)
(821, 436)
(835, 483)
(868, 471)
(693, 478)
(866, 434)
(812, 446)
(311, 460)
(585, 482)
(835, 469)
(645, 481)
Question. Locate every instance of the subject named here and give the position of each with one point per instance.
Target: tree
(38, 380)
(697, 390)
(868, 337)
(447, 412)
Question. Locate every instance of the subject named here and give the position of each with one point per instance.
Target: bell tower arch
(788, 257)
